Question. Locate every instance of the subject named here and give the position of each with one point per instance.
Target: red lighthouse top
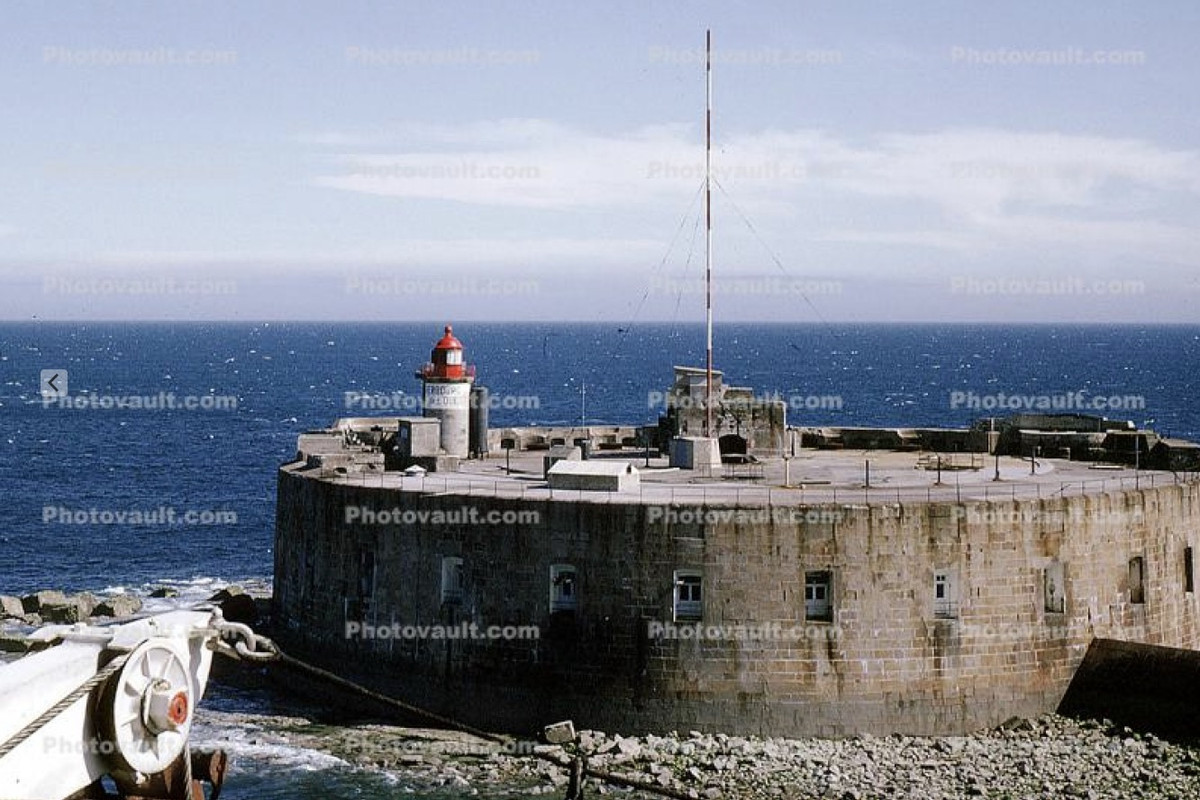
(446, 360)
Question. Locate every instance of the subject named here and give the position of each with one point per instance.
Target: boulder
(33, 603)
(121, 605)
(228, 592)
(164, 591)
(75, 608)
(11, 606)
(240, 608)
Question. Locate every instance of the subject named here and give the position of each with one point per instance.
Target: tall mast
(708, 314)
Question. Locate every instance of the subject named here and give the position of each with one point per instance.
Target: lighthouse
(446, 393)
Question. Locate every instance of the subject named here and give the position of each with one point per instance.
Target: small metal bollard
(576, 779)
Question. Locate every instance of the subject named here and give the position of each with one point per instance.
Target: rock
(121, 605)
(164, 591)
(629, 747)
(13, 643)
(72, 609)
(1016, 724)
(233, 590)
(240, 608)
(11, 606)
(33, 603)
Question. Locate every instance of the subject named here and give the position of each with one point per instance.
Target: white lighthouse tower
(446, 393)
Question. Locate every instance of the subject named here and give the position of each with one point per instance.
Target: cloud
(953, 190)
(522, 163)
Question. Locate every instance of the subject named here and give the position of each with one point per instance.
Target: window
(689, 599)
(1137, 592)
(1189, 575)
(452, 579)
(945, 595)
(366, 573)
(818, 596)
(359, 594)
(1054, 589)
(454, 357)
(564, 591)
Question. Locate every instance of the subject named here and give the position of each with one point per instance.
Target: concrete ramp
(1146, 687)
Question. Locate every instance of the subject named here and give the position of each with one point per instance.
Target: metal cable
(271, 652)
(62, 705)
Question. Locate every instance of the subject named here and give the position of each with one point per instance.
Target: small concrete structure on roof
(695, 452)
(560, 452)
(601, 476)
(418, 437)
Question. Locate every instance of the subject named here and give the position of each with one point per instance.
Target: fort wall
(943, 616)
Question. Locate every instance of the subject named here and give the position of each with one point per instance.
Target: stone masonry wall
(885, 662)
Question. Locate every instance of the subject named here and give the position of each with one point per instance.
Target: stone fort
(818, 581)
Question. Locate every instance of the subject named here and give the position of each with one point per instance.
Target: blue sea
(67, 473)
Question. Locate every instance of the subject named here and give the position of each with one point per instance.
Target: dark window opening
(564, 590)
(818, 596)
(1189, 576)
(1137, 592)
(945, 602)
(689, 598)
(1054, 586)
(452, 579)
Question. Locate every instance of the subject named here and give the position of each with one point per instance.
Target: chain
(249, 646)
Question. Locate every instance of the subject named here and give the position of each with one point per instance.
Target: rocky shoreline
(19, 615)
(1051, 756)
(1048, 757)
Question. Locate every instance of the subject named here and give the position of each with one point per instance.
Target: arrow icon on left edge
(54, 383)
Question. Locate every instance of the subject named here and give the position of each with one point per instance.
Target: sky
(922, 161)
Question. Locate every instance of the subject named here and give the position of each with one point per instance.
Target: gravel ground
(1048, 757)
